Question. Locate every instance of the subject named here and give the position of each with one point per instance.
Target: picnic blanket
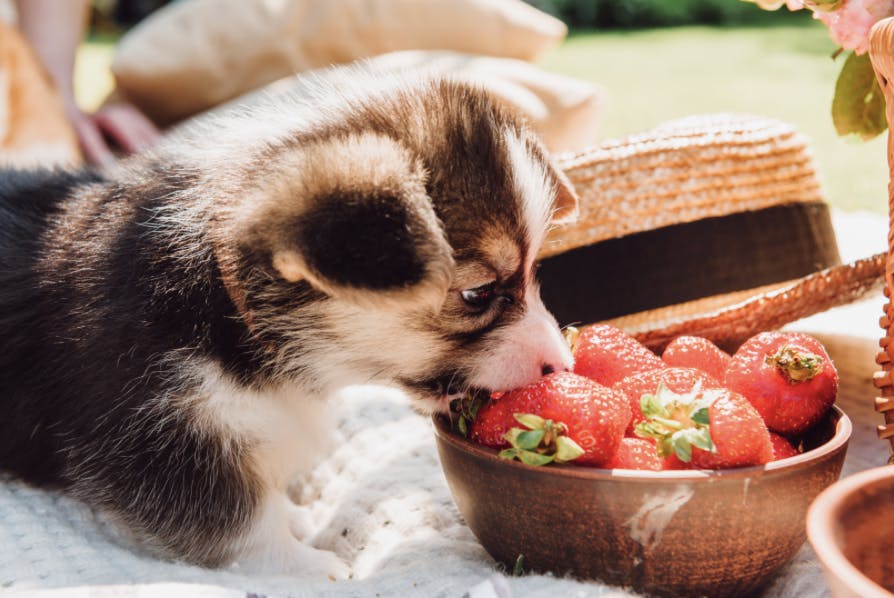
(381, 501)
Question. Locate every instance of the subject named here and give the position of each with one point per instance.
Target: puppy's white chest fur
(285, 429)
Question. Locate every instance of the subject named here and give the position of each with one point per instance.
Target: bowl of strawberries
(688, 473)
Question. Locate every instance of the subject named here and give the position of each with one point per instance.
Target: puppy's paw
(300, 522)
(272, 546)
(288, 556)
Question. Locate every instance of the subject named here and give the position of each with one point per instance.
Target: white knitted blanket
(383, 505)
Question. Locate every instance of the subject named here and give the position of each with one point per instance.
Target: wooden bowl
(851, 529)
(674, 533)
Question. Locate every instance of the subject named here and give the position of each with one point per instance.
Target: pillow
(193, 54)
(565, 112)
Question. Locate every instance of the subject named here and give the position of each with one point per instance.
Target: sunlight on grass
(92, 76)
(782, 72)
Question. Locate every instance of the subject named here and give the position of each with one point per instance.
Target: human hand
(117, 125)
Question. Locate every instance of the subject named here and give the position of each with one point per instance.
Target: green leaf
(512, 436)
(567, 449)
(701, 416)
(510, 454)
(682, 447)
(528, 439)
(647, 430)
(701, 438)
(665, 446)
(651, 406)
(858, 107)
(530, 421)
(462, 426)
(519, 567)
(536, 459)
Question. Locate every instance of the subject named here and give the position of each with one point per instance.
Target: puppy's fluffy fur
(169, 329)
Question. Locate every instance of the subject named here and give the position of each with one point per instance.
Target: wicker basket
(882, 55)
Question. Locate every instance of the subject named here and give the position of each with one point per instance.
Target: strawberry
(646, 383)
(782, 448)
(672, 462)
(696, 352)
(591, 415)
(607, 354)
(636, 453)
(787, 376)
(711, 429)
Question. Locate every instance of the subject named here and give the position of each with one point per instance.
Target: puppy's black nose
(546, 369)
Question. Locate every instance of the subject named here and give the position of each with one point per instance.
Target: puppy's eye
(480, 297)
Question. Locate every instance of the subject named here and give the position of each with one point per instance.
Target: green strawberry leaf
(508, 454)
(530, 421)
(858, 107)
(701, 416)
(543, 444)
(528, 439)
(701, 438)
(536, 459)
(652, 406)
(462, 426)
(567, 449)
(665, 446)
(681, 447)
(648, 429)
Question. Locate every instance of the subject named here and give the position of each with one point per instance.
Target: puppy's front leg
(273, 544)
(195, 489)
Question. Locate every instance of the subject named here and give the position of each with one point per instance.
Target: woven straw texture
(683, 171)
(730, 319)
(882, 54)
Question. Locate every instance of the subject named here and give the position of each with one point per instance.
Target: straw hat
(713, 225)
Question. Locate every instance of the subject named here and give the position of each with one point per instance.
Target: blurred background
(656, 60)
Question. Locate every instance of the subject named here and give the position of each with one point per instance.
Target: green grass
(784, 72)
(652, 76)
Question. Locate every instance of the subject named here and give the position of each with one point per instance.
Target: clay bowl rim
(843, 431)
(821, 533)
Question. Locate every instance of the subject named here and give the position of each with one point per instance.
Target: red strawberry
(593, 416)
(787, 376)
(712, 429)
(696, 352)
(607, 354)
(636, 453)
(672, 462)
(782, 448)
(678, 380)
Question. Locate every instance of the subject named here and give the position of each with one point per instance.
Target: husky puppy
(170, 328)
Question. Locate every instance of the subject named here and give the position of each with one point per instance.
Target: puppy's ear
(566, 203)
(358, 224)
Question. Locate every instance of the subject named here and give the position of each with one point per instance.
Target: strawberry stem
(794, 364)
(677, 422)
(545, 441)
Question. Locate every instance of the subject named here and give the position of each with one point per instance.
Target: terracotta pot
(715, 533)
(851, 529)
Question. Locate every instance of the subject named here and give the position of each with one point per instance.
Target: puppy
(170, 329)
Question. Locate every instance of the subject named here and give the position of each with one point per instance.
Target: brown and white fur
(170, 329)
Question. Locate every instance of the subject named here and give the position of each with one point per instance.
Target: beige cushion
(565, 112)
(194, 54)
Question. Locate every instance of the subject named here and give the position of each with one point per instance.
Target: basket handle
(881, 52)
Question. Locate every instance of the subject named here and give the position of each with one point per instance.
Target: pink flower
(849, 25)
